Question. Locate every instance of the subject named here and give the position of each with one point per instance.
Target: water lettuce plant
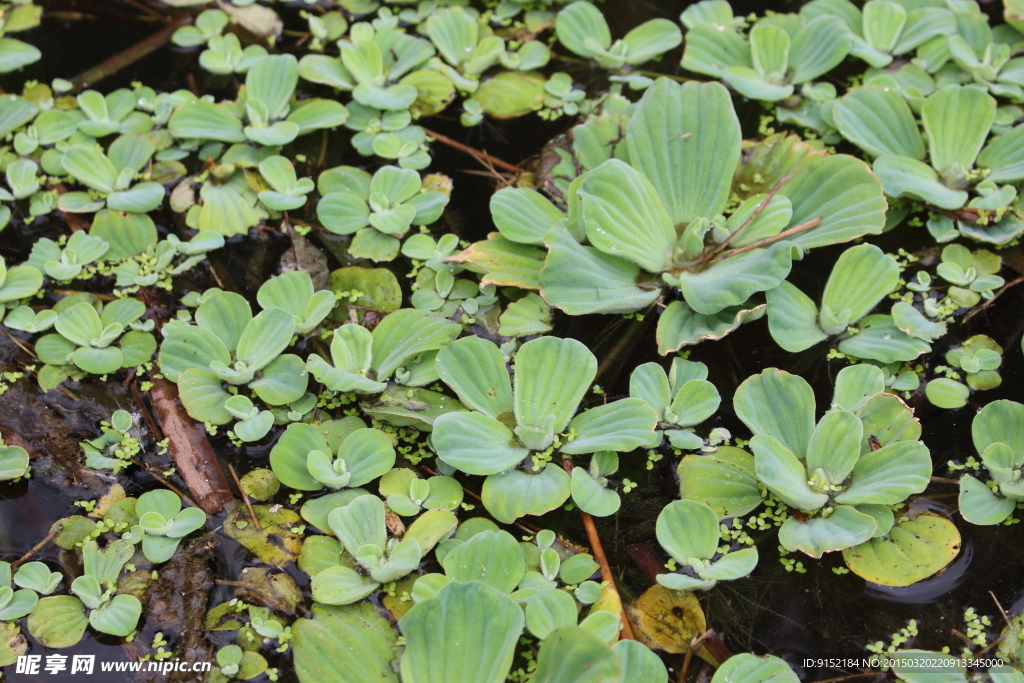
(304, 457)
(778, 53)
(85, 335)
(583, 30)
(377, 210)
(950, 167)
(228, 344)
(635, 233)
(162, 523)
(838, 474)
(688, 531)
(861, 277)
(999, 442)
(515, 430)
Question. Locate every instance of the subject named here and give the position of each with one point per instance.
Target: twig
(49, 537)
(988, 303)
(795, 230)
(24, 346)
(150, 11)
(126, 57)
(602, 560)
(151, 471)
(944, 480)
(1001, 610)
(475, 153)
(760, 207)
(245, 498)
(72, 292)
(694, 644)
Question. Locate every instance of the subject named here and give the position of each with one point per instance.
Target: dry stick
(126, 57)
(760, 207)
(795, 230)
(190, 449)
(151, 471)
(1006, 617)
(602, 559)
(49, 537)
(21, 345)
(150, 11)
(475, 153)
(988, 303)
(695, 642)
(245, 498)
(943, 480)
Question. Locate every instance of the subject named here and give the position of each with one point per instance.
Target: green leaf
(840, 190)
(725, 481)
(731, 281)
(688, 531)
(749, 668)
(127, 234)
(855, 385)
(551, 377)
(818, 47)
(912, 551)
(510, 495)
(368, 454)
(686, 140)
(879, 339)
(679, 326)
(550, 610)
(272, 80)
(475, 369)
(710, 51)
(1004, 156)
(341, 585)
(956, 122)
(119, 617)
(883, 22)
(523, 215)
(769, 50)
(506, 263)
(288, 456)
(511, 93)
(621, 425)
(879, 121)
(835, 446)
(265, 337)
(407, 333)
(780, 470)
(979, 505)
(844, 528)
(581, 280)
(777, 404)
(651, 39)
(201, 120)
(467, 633)
(793, 318)
(493, 557)
(861, 277)
(344, 644)
(91, 167)
(624, 216)
(13, 462)
(1000, 422)
(80, 324)
(889, 475)
(573, 654)
(475, 443)
(915, 324)
(902, 176)
(58, 621)
(189, 347)
(639, 664)
(591, 496)
(582, 29)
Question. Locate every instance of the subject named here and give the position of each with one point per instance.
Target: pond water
(794, 615)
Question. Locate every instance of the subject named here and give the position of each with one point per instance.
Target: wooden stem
(602, 559)
(760, 207)
(475, 153)
(245, 498)
(795, 230)
(190, 449)
(127, 57)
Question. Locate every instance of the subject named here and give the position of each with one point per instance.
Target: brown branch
(190, 449)
(245, 498)
(154, 428)
(795, 230)
(943, 480)
(602, 559)
(760, 207)
(695, 642)
(477, 154)
(152, 471)
(49, 537)
(24, 346)
(127, 57)
(988, 303)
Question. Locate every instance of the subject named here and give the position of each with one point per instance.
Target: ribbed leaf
(780, 470)
(956, 122)
(778, 404)
(906, 177)
(272, 80)
(510, 495)
(523, 215)
(879, 121)
(686, 140)
(835, 445)
(475, 369)
(731, 281)
(889, 475)
(710, 51)
(475, 443)
(793, 318)
(818, 48)
(581, 21)
(551, 377)
(407, 333)
(687, 529)
(617, 426)
(861, 277)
